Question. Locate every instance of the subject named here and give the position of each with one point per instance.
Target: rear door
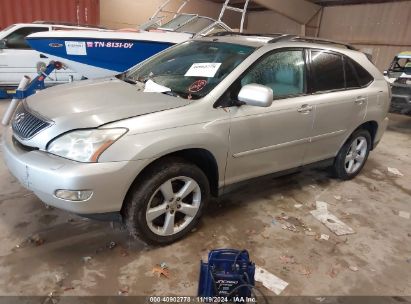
(339, 101)
(17, 58)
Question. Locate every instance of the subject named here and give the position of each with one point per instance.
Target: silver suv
(154, 144)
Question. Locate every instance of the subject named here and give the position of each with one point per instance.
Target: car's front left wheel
(167, 202)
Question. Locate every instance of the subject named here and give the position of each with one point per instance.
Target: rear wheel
(352, 156)
(168, 202)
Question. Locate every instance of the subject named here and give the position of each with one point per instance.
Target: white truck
(17, 59)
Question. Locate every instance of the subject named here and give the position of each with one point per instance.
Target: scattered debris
(68, 288)
(123, 252)
(338, 197)
(330, 220)
(286, 259)
(269, 280)
(123, 291)
(111, 245)
(298, 206)
(320, 299)
(87, 259)
(353, 268)
(304, 270)
(273, 222)
(290, 227)
(311, 233)
(395, 171)
(164, 265)
(265, 235)
(32, 240)
(334, 271)
(404, 214)
(160, 271)
(325, 237)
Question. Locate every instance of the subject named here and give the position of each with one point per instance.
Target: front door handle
(305, 109)
(360, 100)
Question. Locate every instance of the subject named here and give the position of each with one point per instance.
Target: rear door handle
(360, 100)
(305, 109)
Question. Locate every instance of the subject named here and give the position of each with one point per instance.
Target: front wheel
(352, 156)
(168, 202)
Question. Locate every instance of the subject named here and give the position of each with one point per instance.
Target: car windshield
(192, 69)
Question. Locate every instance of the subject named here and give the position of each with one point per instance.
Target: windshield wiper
(172, 93)
(130, 80)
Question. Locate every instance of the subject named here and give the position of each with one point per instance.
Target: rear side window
(355, 75)
(327, 72)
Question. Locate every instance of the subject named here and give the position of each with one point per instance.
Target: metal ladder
(243, 12)
(162, 9)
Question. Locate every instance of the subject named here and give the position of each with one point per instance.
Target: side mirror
(407, 69)
(256, 95)
(385, 73)
(3, 43)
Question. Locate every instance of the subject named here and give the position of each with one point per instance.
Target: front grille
(25, 124)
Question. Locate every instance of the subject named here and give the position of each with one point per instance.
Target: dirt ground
(69, 255)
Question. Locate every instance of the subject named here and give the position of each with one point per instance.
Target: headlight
(85, 145)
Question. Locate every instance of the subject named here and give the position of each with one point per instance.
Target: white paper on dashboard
(203, 69)
(152, 87)
(76, 48)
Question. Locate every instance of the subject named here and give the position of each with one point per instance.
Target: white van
(18, 59)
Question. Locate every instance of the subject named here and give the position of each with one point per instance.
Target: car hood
(90, 104)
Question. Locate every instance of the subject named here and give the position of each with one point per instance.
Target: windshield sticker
(197, 86)
(152, 87)
(76, 48)
(203, 70)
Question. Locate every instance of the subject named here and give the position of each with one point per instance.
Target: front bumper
(44, 173)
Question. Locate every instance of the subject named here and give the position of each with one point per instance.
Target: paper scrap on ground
(152, 87)
(404, 214)
(330, 220)
(203, 69)
(269, 280)
(395, 171)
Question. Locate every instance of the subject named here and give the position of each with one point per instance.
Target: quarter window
(17, 39)
(283, 72)
(327, 72)
(363, 76)
(355, 75)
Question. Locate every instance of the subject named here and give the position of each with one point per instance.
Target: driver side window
(283, 72)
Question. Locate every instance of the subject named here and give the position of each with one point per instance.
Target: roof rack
(66, 24)
(323, 41)
(222, 34)
(278, 37)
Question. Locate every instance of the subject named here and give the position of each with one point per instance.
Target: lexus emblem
(19, 118)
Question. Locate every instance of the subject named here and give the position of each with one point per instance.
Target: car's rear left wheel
(167, 202)
(352, 156)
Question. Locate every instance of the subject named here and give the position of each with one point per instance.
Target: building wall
(383, 29)
(74, 11)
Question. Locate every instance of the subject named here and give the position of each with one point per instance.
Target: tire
(153, 202)
(348, 166)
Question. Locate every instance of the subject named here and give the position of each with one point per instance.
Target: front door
(267, 140)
